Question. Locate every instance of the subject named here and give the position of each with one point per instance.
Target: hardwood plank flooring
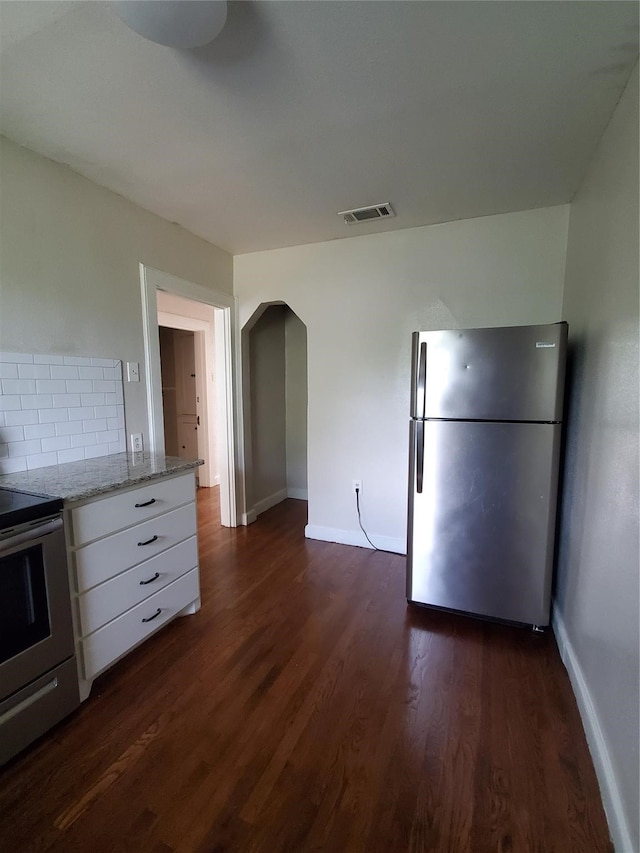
(306, 707)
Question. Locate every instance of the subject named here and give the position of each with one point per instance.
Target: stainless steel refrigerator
(486, 421)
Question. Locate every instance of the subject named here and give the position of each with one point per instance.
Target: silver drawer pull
(149, 541)
(146, 503)
(154, 578)
(150, 618)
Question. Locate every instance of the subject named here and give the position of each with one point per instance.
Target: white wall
(598, 588)
(296, 404)
(360, 298)
(70, 251)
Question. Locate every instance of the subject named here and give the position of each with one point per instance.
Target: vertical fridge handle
(419, 455)
(422, 381)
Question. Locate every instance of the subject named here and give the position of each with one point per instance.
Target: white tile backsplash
(56, 409)
(16, 357)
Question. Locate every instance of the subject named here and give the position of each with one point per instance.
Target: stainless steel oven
(38, 675)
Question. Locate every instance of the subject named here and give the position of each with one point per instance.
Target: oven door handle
(32, 535)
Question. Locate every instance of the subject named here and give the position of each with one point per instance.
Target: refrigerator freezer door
(514, 373)
(481, 528)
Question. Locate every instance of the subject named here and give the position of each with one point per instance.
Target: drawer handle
(151, 618)
(146, 503)
(148, 542)
(154, 578)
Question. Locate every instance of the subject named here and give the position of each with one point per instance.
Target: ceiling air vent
(366, 214)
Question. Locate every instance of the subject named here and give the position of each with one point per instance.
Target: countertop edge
(78, 481)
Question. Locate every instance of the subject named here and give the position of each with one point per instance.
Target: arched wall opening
(274, 391)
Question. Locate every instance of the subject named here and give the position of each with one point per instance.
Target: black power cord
(382, 550)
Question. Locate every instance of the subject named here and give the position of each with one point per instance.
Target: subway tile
(24, 448)
(34, 371)
(83, 440)
(30, 416)
(41, 460)
(69, 401)
(50, 386)
(9, 371)
(106, 385)
(12, 466)
(10, 402)
(93, 400)
(18, 386)
(64, 372)
(83, 413)
(53, 416)
(106, 412)
(16, 357)
(79, 386)
(98, 450)
(48, 359)
(57, 409)
(91, 373)
(96, 425)
(37, 401)
(107, 436)
(39, 431)
(14, 433)
(59, 442)
(70, 428)
(77, 360)
(75, 454)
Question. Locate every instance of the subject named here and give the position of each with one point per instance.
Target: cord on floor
(382, 550)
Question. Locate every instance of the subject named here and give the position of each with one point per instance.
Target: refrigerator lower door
(482, 517)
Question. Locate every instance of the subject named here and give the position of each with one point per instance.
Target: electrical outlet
(136, 442)
(356, 485)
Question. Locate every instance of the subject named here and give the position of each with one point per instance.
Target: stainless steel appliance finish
(486, 408)
(38, 675)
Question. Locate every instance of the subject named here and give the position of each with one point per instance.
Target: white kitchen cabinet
(133, 558)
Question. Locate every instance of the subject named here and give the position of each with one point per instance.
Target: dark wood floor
(307, 708)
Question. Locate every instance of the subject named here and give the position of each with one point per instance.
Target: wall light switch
(133, 371)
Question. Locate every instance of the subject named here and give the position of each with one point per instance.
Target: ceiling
(448, 110)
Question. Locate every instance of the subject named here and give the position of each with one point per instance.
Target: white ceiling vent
(366, 214)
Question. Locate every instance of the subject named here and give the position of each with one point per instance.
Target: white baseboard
(297, 494)
(250, 515)
(355, 537)
(611, 800)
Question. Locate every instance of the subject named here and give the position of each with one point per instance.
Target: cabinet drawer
(106, 515)
(108, 600)
(122, 634)
(107, 557)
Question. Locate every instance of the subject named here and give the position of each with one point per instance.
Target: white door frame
(204, 349)
(152, 280)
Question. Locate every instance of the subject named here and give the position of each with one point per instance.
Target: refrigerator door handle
(422, 380)
(419, 455)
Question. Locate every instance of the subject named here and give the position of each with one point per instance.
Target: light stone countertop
(75, 481)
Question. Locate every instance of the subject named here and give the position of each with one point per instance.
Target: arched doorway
(274, 356)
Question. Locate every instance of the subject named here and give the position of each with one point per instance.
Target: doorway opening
(192, 327)
(274, 384)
